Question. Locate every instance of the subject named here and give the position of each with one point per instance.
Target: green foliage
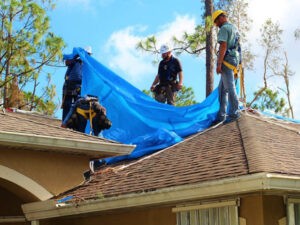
(270, 100)
(191, 43)
(26, 47)
(42, 105)
(184, 97)
(148, 92)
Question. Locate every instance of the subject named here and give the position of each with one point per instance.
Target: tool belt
(72, 88)
(161, 88)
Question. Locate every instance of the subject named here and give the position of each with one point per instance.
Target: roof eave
(92, 149)
(224, 187)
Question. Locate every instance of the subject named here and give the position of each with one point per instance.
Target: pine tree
(26, 47)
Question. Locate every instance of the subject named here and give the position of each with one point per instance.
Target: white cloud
(134, 64)
(176, 28)
(124, 57)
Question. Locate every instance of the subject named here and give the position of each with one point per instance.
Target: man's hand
(179, 86)
(152, 88)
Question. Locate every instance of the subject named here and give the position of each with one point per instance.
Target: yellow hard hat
(216, 14)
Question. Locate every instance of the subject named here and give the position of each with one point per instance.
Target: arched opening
(24, 182)
(15, 190)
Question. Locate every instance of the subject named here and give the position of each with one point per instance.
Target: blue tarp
(137, 118)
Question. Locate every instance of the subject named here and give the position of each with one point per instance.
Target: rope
(91, 118)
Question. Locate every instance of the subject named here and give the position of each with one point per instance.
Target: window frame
(189, 214)
(291, 210)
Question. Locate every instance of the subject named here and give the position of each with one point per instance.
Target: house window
(294, 211)
(218, 213)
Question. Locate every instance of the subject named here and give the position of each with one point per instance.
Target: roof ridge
(267, 119)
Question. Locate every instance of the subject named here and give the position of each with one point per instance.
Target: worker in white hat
(169, 77)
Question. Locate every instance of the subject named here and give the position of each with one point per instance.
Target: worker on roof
(228, 58)
(84, 109)
(73, 80)
(166, 83)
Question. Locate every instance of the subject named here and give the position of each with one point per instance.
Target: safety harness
(88, 114)
(238, 70)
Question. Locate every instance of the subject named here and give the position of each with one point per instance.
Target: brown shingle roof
(36, 132)
(251, 145)
(40, 125)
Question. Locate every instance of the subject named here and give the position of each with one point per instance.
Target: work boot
(230, 119)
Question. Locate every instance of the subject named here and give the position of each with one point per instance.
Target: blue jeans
(227, 94)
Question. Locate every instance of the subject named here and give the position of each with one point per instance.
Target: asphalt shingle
(251, 145)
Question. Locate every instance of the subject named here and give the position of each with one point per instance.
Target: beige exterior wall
(56, 172)
(262, 209)
(150, 216)
(10, 205)
(257, 209)
(274, 209)
(251, 209)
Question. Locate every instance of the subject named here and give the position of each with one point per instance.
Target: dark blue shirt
(74, 71)
(168, 70)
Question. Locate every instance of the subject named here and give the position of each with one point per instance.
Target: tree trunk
(209, 49)
(5, 88)
(287, 84)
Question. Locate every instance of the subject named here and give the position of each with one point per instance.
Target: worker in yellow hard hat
(228, 39)
(217, 13)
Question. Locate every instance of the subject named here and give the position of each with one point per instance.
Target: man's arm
(68, 62)
(222, 52)
(180, 83)
(155, 82)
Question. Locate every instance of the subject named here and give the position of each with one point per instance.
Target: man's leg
(170, 95)
(66, 106)
(229, 84)
(223, 99)
(81, 123)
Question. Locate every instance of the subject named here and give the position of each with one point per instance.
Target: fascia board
(225, 187)
(90, 148)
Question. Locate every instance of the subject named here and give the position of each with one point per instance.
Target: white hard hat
(88, 49)
(164, 49)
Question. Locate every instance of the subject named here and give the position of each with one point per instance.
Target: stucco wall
(257, 209)
(150, 216)
(251, 208)
(274, 209)
(56, 172)
(10, 204)
(262, 209)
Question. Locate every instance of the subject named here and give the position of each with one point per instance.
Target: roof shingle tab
(250, 145)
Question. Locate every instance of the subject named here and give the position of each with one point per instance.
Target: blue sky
(113, 28)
